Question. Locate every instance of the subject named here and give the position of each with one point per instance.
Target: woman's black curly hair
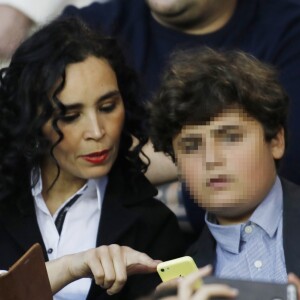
(25, 104)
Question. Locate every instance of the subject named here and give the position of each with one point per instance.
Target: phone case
(256, 290)
(27, 278)
(175, 268)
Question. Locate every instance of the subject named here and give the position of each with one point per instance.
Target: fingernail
(235, 292)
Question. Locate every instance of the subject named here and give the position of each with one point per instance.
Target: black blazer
(203, 250)
(130, 216)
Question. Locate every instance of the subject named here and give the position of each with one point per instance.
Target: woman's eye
(69, 118)
(108, 107)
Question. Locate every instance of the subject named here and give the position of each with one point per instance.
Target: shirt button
(50, 250)
(258, 264)
(248, 229)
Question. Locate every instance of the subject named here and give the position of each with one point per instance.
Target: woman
(70, 177)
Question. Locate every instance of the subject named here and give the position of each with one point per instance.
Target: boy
(221, 117)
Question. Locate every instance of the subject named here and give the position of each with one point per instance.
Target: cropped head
(192, 16)
(68, 102)
(221, 117)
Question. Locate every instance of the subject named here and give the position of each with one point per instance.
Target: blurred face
(187, 14)
(227, 164)
(172, 7)
(93, 122)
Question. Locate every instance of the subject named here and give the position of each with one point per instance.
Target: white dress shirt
(79, 230)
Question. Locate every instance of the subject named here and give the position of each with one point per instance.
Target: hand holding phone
(177, 268)
(248, 290)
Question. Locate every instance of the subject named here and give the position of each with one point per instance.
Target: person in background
(221, 116)
(150, 30)
(19, 17)
(71, 177)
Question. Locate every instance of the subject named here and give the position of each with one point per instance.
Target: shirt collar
(100, 184)
(269, 212)
(94, 188)
(37, 187)
(227, 237)
(267, 216)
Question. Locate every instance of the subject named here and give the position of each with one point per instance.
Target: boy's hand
(186, 287)
(292, 278)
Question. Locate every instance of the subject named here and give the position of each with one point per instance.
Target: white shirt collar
(92, 186)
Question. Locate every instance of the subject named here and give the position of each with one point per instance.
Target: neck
(56, 192)
(216, 18)
(233, 221)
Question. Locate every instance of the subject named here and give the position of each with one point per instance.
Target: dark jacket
(130, 216)
(204, 249)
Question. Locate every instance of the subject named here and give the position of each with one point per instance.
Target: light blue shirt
(253, 250)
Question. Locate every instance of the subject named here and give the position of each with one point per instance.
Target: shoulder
(109, 15)
(139, 195)
(203, 250)
(273, 31)
(268, 16)
(279, 15)
(154, 220)
(291, 201)
(290, 190)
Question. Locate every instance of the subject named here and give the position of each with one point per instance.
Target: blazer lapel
(23, 227)
(116, 219)
(117, 215)
(291, 224)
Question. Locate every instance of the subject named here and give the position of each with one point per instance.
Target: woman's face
(93, 122)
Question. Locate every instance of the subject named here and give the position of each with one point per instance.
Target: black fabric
(59, 221)
(130, 216)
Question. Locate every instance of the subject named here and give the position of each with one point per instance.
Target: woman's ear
(278, 144)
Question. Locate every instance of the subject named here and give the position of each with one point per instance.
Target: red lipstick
(96, 157)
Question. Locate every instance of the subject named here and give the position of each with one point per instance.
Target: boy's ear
(278, 144)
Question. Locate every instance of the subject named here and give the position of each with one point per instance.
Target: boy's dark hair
(200, 83)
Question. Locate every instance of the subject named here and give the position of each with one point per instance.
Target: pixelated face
(173, 11)
(169, 6)
(227, 164)
(93, 122)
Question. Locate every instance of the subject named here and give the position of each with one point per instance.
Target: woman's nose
(94, 129)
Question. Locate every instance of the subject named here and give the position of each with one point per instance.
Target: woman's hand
(108, 265)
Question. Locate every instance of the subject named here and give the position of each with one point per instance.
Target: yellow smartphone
(178, 267)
